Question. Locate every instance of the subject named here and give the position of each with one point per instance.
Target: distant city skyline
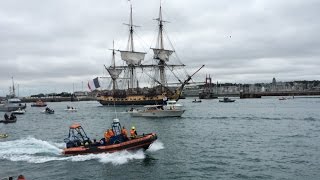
(56, 46)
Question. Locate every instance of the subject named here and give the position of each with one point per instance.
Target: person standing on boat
(133, 132)
(6, 117)
(124, 133)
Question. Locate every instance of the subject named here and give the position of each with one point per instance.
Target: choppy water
(249, 139)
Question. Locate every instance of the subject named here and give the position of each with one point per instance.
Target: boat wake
(155, 146)
(33, 150)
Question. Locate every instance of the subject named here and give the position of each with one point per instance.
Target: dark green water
(248, 139)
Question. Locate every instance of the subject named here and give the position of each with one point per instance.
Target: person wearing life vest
(107, 136)
(21, 177)
(124, 133)
(133, 132)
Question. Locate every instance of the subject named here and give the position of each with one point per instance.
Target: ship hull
(131, 100)
(126, 103)
(11, 107)
(160, 113)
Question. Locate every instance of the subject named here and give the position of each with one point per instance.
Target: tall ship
(124, 78)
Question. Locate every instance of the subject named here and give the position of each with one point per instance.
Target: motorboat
(48, 111)
(171, 109)
(78, 142)
(71, 109)
(12, 104)
(282, 98)
(226, 99)
(19, 111)
(7, 119)
(197, 101)
(3, 135)
(39, 103)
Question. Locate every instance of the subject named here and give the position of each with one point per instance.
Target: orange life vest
(124, 132)
(21, 177)
(111, 133)
(106, 134)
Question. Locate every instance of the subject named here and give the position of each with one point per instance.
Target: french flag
(93, 84)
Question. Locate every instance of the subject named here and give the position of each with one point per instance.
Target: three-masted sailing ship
(132, 94)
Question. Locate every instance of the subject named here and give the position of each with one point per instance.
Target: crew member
(124, 133)
(21, 177)
(133, 132)
(108, 134)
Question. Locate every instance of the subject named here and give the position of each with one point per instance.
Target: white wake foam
(155, 146)
(33, 150)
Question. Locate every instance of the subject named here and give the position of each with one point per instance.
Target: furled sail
(114, 73)
(162, 54)
(132, 58)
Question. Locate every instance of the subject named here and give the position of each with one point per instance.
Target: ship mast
(160, 53)
(13, 89)
(113, 71)
(132, 57)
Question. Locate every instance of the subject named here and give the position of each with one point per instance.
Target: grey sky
(49, 45)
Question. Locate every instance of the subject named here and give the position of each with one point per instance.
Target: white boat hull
(161, 113)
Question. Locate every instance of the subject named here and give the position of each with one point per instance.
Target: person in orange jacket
(133, 132)
(124, 133)
(21, 177)
(108, 134)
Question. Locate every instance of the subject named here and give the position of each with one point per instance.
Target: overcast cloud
(47, 46)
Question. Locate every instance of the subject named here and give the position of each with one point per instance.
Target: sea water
(248, 139)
